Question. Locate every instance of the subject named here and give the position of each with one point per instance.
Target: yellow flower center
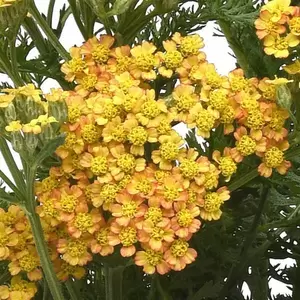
(192, 197)
(269, 93)
(212, 202)
(184, 102)
(102, 236)
(169, 151)
(118, 134)
(100, 54)
(127, 236)
(294, 25)
(179, 248)
(129, 102)
(173, 59)
(73, 114)
(189, 168)
(150, 109)
(124, 181)
(123, 62)
(3, 239)
(89, 81)
(184, 218)
(144, 186)
(281, 43)
(99, 165)
(76, 248)
(246, 145)
(227, 115)
(28, 262)
(90, 133)
(153, 258)
(126, 162)
(249, 103)
(83, 221)
(49, 208)
(49, 183)
(277, 120)
(160, 175)
(108, 193)
(110, 111)
(238, 83)
(129, 209)
(211, 180)
(157, 233)
(154, 214)
(76, 65)
(145, 62)
(70, 141)
(164, 127)
(227, 166)
(68, 203)
(138, 136)
(255, 120)
(170, 193)
(190, 45)
(205, 120)
(8, 218)
(218, 100)
(213, 79)
(273, 157)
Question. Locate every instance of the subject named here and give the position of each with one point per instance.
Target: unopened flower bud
(31, 141)
(10, 113)
(283, 96)
(58, 110)
(17, 141)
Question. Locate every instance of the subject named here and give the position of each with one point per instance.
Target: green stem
(114, 283)
(7, 68)
(39, 239)
(11, 164)
(240, 55)
(50, 12)
(14, 64)
(48, 31)
(70, 287)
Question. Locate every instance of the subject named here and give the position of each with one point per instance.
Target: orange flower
(265, 26)
(210, 209)
(121, 60)
(151, 261)
(170, 149)
(227, 165)
(103, 194)
(75, 66)
(156, 235)
(128, 207)
(179, 255)
(74, 251)
(84, 222)
(124, 235)
(64, 270)
(184, 223)
(144, 61)
(246, 144)
(8, 238)
(273, 158)
(97, 51)
(69, 200)
(28, 262)
(124, 163)
(97, 163)
(100, 243)
(169, 192)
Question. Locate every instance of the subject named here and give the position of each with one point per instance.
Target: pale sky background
(217, 51)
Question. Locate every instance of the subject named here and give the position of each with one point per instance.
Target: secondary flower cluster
(278, 26)
(127, 182)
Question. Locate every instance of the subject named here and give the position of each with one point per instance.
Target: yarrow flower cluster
(126, 177)
(278, 26)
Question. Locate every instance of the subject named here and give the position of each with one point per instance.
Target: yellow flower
(293, 68)
(278, 81)
(30, 91)
(32, 126)
(4, 3)
(279, 9)
(279, 46)
(13, 126)
(5, 100)
(188, 45)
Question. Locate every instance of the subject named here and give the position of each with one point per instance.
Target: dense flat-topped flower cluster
(127, 180)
